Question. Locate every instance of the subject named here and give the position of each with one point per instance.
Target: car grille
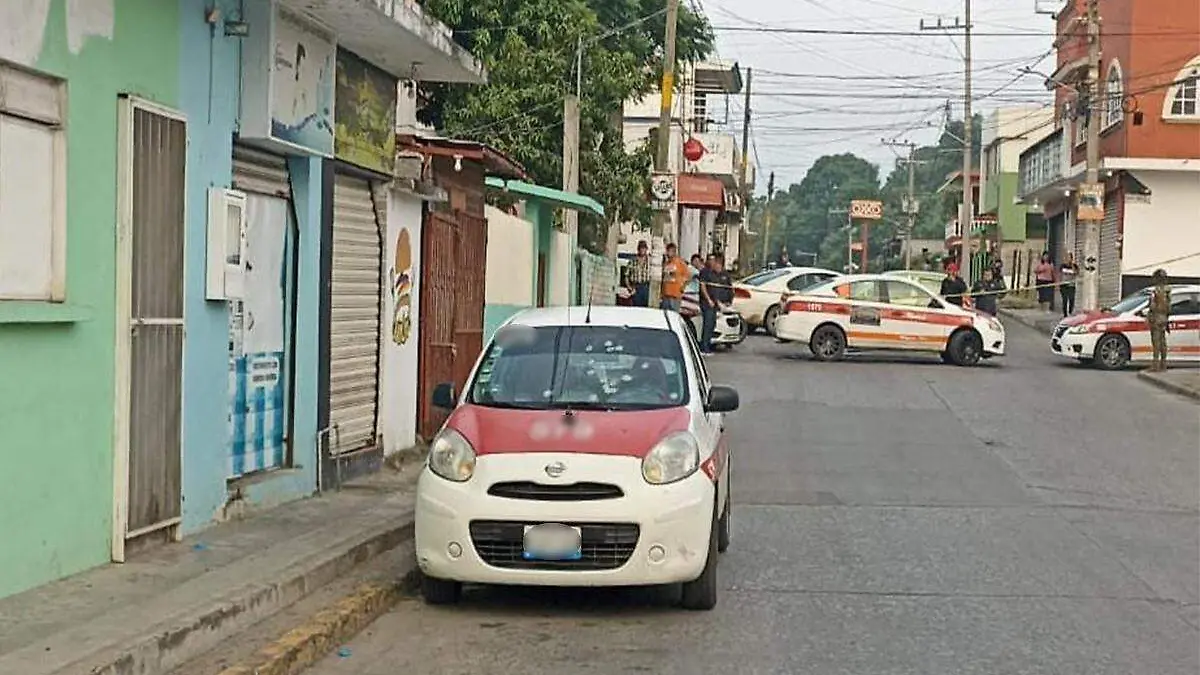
(606, 546)
(575, 492)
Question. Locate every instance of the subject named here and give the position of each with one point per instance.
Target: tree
(529, 48)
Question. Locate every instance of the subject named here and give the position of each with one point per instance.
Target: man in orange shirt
(675, 276)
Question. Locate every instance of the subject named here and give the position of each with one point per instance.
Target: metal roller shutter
(354, 317)
(1110, 255)
(261, 172)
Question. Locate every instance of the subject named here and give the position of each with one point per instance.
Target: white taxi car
(758, 297)
(587, 449)
(1116, 336)
(884, 312)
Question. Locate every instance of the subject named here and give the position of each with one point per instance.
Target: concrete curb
(1163, 383)
(301, 647)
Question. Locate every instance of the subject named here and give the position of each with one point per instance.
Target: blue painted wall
(209, 90)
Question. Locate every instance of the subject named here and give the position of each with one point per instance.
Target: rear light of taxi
(741, 294)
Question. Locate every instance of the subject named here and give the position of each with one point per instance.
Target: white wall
(510, 262)
(1164, 226)
(689, 233)
(398, 390)
(562, 258)
(1021, 127)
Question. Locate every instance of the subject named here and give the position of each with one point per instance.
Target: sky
(814, 95)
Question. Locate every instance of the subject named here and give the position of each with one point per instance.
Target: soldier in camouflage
(1158, 316)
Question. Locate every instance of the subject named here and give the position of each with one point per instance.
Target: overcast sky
(825, 94)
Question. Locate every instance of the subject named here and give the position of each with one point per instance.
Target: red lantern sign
(693, 150)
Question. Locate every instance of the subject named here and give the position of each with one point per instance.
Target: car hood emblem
(555, 469)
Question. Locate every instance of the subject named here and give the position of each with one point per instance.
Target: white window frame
(1114, 95)
(1190, 73)
(31, 98)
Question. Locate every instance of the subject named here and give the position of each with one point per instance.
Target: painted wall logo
(364, 114)
(402, 286)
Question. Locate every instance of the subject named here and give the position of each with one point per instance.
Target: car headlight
(452, 457)
(1079, 330)
(674, 458)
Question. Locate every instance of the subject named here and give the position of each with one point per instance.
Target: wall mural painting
(302, 86)
(402, 286)
(365, 114)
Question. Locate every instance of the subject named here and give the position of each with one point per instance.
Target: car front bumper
(653, 534)
(1078, 346)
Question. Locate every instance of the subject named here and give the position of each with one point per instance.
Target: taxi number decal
(865, 316)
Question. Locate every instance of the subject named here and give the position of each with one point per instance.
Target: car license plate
(552, 541)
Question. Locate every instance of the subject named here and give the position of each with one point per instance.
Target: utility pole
(966, 217)
(766, 236)
(746, 138)
(1095, 101)
(662, 155)
(910, 202)
(570, 178)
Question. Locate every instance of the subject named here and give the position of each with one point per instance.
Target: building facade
(186, 255)
(1148, 111)
(1007, 132)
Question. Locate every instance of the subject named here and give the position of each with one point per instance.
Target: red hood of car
(1086, 317)
(493, 431)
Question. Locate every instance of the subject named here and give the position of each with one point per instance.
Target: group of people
(1047, 276)
(986, 291)
(716, 285)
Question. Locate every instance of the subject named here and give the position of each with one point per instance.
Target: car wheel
(724, 529)
(946, 358)
(440, 591)
(770, 318)
(1112, 352)
(966, 348)
(701, 594)
(828, 343)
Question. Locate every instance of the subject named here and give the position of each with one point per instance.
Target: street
(891, 515)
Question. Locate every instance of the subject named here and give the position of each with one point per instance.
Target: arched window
(1183, 99)
(1114, 97)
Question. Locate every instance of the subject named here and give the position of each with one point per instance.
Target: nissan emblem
(556, 469)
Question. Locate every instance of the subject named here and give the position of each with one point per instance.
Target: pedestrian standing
(675, 276)
(1043, 276)
(639, 276)
(1158, 315)
(988, 291)
(1067, 273)
(697, 265)
(716, 291)
(953, 287)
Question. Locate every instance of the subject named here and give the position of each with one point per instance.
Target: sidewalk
(1034, 318)
(175, 602)
(1182, 381)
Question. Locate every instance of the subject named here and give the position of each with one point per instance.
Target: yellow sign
(1091, 202)
(668, 89)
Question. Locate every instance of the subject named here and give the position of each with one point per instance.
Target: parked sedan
(588, 449)
(1116, 336)
(758, 297)
(730, 328)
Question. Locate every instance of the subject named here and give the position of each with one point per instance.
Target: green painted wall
(56, 420)
(999, 196)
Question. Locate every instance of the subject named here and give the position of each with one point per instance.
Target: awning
(394, 35)
(495, 163)
(700, 192)
(546, 195)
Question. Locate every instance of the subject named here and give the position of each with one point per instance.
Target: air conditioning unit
(225, 265)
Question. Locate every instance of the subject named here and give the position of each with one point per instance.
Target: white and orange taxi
(872, 312)
(1116, 336)
(587, 449)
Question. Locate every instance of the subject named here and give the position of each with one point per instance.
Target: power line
(903, 33)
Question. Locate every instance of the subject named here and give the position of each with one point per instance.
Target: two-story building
(1007, 133)
(704, 154)
(1148, 111)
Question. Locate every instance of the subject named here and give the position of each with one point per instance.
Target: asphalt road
(892, 516)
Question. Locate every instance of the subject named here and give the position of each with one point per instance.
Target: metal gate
(151, 261)
(1110, 252)
(355, 303)
(470, 282)
(439, 245)
(261, 172)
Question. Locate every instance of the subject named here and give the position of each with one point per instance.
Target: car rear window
(582, 367)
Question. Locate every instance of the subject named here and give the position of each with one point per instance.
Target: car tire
(828, 343)
(1112, 352)
(966, 348)
(769, 320)
(946, 358)
(440, 591)
(724, 525)
(701, 594)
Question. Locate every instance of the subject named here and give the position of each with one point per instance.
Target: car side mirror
(722, 400)
(443, 396)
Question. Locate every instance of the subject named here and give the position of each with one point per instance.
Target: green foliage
(529, 49)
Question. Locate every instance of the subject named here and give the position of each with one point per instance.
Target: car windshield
(1130, 303)
(583, 368)
(762, 277)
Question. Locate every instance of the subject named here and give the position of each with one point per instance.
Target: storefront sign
(1091, 202)
(365, 114)
(662, 191)
(701, 192)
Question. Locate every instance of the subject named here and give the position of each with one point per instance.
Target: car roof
(597, 315)
(845, 278)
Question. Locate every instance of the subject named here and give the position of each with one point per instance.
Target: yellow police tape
(1004, 291)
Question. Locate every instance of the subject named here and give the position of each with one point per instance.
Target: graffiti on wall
(402, 286)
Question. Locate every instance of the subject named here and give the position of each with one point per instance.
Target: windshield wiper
(511, 405)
